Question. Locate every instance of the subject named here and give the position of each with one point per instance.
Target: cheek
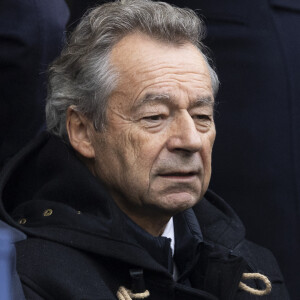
(209, 142)
(132, 151)
(144, 152)
(207, 153)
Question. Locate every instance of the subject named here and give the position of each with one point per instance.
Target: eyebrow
(153, 98)
(202, 101)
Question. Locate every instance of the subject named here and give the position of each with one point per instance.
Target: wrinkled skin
(155, 155)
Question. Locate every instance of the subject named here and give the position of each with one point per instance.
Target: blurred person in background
(32, 34)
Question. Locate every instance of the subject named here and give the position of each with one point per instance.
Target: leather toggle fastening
(138, 283)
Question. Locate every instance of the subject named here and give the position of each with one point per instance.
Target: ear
(79, 131)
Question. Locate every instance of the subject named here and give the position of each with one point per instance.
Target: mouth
(180, 175)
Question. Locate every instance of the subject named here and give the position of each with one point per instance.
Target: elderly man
(112, 199)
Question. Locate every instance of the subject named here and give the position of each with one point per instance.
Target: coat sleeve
(32, 291)
(31, 294)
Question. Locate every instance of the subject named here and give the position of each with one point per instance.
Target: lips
(179, 174)
(180, 177)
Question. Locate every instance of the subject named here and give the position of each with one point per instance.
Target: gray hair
(83, 77)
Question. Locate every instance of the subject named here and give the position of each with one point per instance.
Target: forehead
(147, 66)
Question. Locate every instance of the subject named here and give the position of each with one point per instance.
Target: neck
(154, 227)
(154, 223)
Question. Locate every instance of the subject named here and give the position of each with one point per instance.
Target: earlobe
(78, 127)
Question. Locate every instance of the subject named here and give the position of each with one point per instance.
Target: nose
(184, 135)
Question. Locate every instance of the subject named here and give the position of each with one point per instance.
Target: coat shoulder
(48, 270)
(259, 259)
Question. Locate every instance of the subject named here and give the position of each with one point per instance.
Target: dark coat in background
(31, 36)
(80, 245)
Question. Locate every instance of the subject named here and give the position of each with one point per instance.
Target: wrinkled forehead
(147, 66)
(137, 51)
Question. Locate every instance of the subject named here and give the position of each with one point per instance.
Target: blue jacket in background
(10, 285)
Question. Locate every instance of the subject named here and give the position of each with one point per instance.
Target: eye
(202, 120)
(153, 118)
(202, 117)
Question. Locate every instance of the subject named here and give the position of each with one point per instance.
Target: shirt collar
(169, 233)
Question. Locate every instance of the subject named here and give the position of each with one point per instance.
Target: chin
(178, 202)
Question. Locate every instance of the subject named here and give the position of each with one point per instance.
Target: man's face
(155, 156)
